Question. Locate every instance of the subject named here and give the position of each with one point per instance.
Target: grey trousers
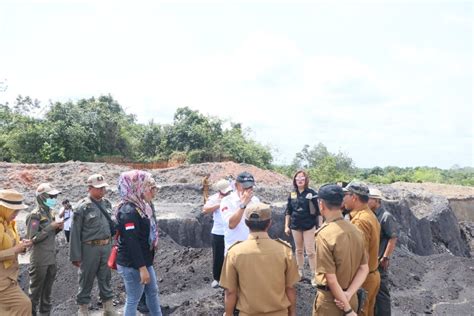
(94, 264)
(41, 285)
(382, 303)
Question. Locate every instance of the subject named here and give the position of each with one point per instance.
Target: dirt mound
(218, 170)
(447, 190)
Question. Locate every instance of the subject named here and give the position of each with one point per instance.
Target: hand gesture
(22, 246)
(384, 263)
(246, 196)
(144, 275)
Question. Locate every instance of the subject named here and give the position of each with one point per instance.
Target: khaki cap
(222, 186)
(46, 188)
(258, 212)
(12, 199)
(357, 187)
(375, 193)
(97, 181)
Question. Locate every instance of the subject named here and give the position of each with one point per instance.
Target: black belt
(325, 287)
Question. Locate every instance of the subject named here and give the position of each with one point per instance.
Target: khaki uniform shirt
(43, 236)
(10, 275)
(340, 251)
(368, 224)
(88, 224)
(260, 269)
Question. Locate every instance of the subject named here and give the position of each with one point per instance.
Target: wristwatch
(348, 312)
(242, 206)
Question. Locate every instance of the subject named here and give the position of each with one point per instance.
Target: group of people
(348, 239)
(258, 274)
(89, 229)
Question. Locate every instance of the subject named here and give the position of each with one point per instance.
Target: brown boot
(108, 308)
(83, 310)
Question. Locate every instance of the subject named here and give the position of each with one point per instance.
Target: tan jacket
(10, 275)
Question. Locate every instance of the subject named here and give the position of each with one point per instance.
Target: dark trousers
(67, 233)
(382, 303)
(217, 255)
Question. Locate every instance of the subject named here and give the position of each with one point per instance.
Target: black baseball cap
(245, 179)
(331, 193)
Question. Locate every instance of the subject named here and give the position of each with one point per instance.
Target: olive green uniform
(368, 224)
(42, 267)
(91, 244)
(260, 269)
(340, 251)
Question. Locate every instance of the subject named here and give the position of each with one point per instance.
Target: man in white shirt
(233, 207)
(213, 206)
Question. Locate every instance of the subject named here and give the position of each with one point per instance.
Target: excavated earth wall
(431, 270)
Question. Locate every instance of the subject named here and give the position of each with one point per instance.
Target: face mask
(50, 202)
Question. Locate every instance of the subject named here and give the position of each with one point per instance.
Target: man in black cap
(233, 208)
(341, 261)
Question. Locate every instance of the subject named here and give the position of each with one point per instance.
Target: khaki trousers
(371, 285)
(13, 301)
(305, 238)
(324, 304)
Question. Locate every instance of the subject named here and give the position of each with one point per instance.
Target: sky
(388, 83)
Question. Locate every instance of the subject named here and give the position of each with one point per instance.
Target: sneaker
(313, 282)
(215, 284)
(300, 272)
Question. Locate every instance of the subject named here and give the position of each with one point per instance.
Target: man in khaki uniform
(259, 273)
(341, 262)
(356, 198)
(91, 245)
(42, 229)
(13, 301)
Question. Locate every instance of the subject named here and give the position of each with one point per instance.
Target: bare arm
(392, 242)
(230, 300)
(287, 225)
(385, 260)
(234, 220)
(291, 294)
(210, 209)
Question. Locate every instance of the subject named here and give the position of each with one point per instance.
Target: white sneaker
(300, 272)
(215, 284)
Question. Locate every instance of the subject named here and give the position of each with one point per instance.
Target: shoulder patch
(281, 241)
(235, 243)
(320, 229)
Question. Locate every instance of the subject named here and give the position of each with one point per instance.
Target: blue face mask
(50, 202)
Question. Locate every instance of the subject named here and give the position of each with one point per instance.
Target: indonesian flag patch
(224, 209)
(129, 226)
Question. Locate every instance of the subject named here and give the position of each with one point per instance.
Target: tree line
(94, 128)
(90, 129)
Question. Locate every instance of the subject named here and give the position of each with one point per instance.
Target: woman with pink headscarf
(138, 240)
